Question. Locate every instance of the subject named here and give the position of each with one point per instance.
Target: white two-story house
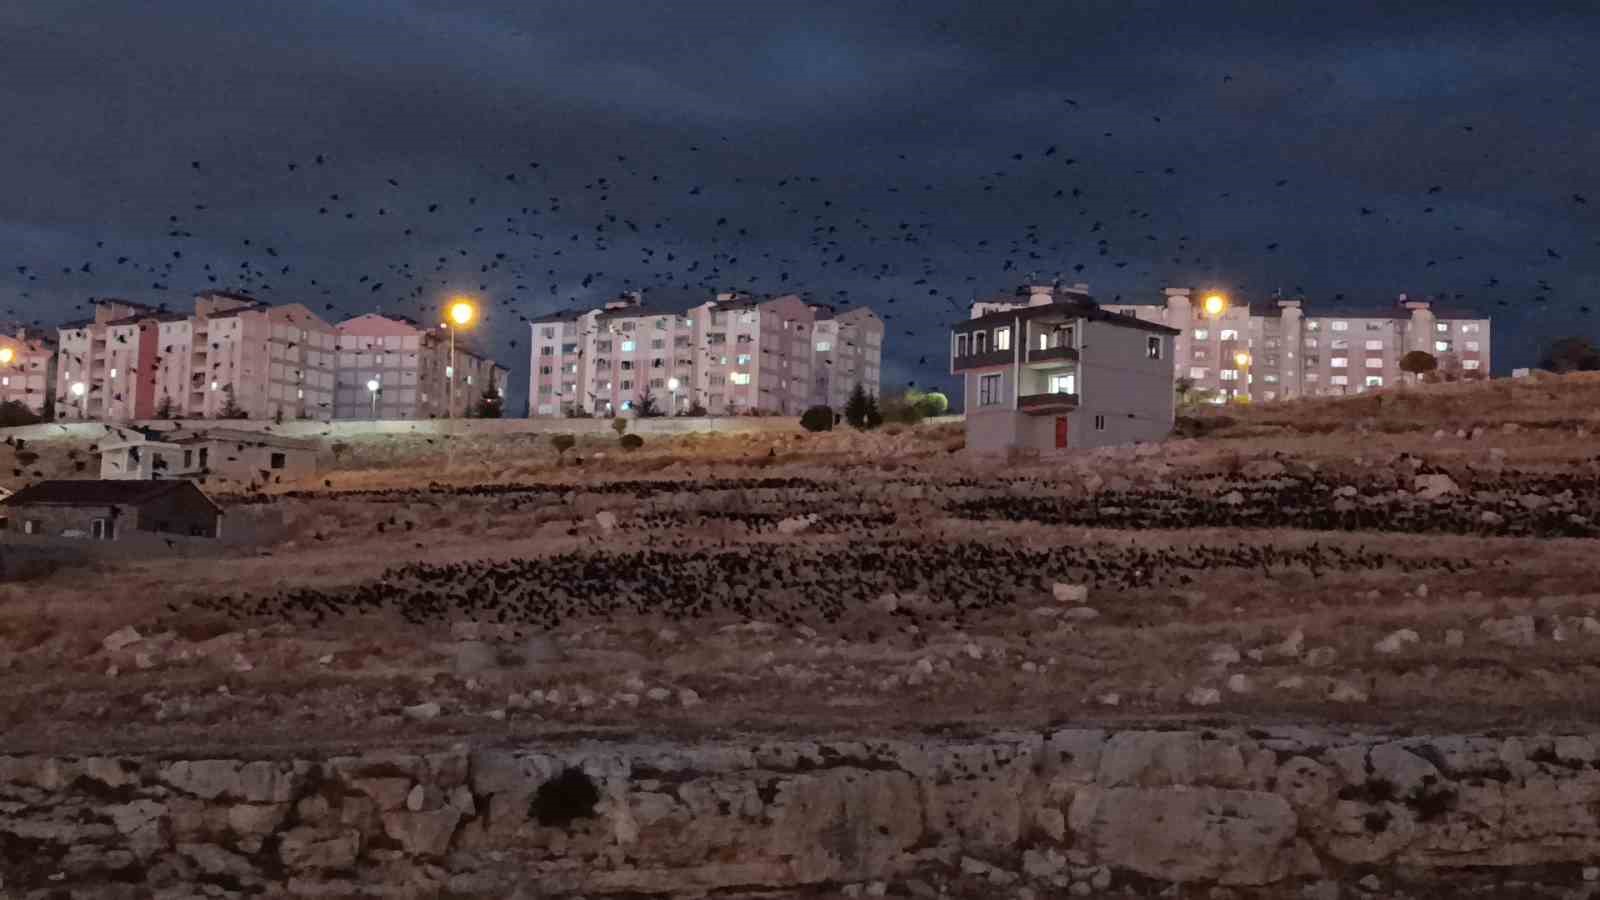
(1052, 370)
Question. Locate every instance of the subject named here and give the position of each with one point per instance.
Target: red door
(1061, 432)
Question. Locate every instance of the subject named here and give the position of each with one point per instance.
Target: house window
(30, 526)
(188, 458)
(99, 529)
(276, 461)
(961, 345)
(1470, 364)
(1201, 334)
(1374, 381)
(1313, 325)
(1228, 375)
(1099, 423)
(1441, 346)
(1270, 379)
(744, 359)
(1197, 372)
(1339, 362)
(1229, 334)
(1472, 346)
(1374, 362)
(980, 342)
(989, 390)
(1064, 384)
(1469, 328)
(549, 333)
(1002, 338)
(1339, 344)
(1152, 347)
(1339, 326)
(1442, 327)
(1376, 326)
(740, 377)
(1374, 345)
(1338, 380)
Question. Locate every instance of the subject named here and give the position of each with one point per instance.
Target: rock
(1371, 884)
(214, 860)
(1322, 890)
(1076, 594)
(422, 712)
(1348, 491)
(797, 524)
(1203, 696)
(1454, 637)
(130, 817)
(1321, 656)
(1292, 683)
(1516, 631)
(1591, 873)
(257, 819)
(1223, 655)
(1081, 614)
(1042, 864)
(1239, 683)
(207, 779)
(606, 519)
(1291, 646)
(688, 698)
(1396, 642)
(473, 657)
(1432, 487)
(1231, 498)
(310, 848)
(1589, 625)
(423, 833)
(122, 637)
(1345, 692)
(1264, 468)
(1187, 834)
(1109, 698)
(972, 866)
(1490, 517)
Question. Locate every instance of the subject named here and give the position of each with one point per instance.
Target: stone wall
(1068, 813)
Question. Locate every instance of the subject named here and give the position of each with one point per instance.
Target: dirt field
(1407, 559)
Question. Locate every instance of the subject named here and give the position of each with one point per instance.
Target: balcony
(1046, 357)
(1047, 404)
(982, 360)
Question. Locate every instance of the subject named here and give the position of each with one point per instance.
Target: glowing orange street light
(461, 312)
(1215, 305)
(6, 356)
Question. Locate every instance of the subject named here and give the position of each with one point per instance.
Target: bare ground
(680, 590)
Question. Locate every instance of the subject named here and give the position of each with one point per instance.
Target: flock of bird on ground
(802, 582)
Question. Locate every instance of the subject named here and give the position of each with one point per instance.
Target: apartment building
(106, 368)
(1050, 369)
(1273, 350)
(734, 354)
(393, 367)
(28, 370)
(848, 351)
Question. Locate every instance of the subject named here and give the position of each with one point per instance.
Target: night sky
(905, 155)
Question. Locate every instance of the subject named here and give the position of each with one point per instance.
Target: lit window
(1270, 379)
(1374, 362)
(1472, 346)
(1228, 375)
(1470, 364)
(740, 377)
(1201, 334)
(961, 345)
(1002, 338)
(1270, 395)
(1338, 379)
(1152, 347)
(744, 359)
(627, 405)
(1197, 372)
(627, 346)
(1374, 345)
(1228, 334)
(1313, 325)
(213, 385)
(1374, 381)
(1469, 328)
(113, 373)
(1441, 346)
(989, 390)
(1064, 384)
(1339, 362)
(1442, 327)
(1339, 326)
(1339, 344)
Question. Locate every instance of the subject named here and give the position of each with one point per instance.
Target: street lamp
(1215, 305)
(81, 391)
(6, 356)
(460, 313)
(372, 388)
(672, 385)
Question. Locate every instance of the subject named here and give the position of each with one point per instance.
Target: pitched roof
(1065, 306)
(93, 493)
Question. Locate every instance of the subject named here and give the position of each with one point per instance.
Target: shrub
(698, 409)
(1418, 362)
(562, 443)
(817, 418)
(15, 412)
(632, 442)
(619, 425)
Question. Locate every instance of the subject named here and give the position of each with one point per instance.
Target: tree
(230, 407)
(1419, 363)
(817, 418)
(645, 404)
(873, 418)
(165, 409)
(934, 403)
(855, 409)
(619, 425)
(631, 442)
(489, 404)
(15, 412)
(1571, 354)
(562, 443)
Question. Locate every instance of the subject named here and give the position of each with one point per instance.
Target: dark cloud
(866, 151)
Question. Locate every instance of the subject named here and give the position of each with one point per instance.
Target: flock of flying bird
(536, 238)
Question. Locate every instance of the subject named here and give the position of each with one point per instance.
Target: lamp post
(6, 356)
(1242, 360)
(461, 313)
(672, 386)
(81, 391)
(372, 388)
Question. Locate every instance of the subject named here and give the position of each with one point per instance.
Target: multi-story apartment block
(1053, 370)
(734, 354)
(1274, 350)
(106, 370)
(848, 351)
(28, 371)
(392, 367)
(264, 362)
